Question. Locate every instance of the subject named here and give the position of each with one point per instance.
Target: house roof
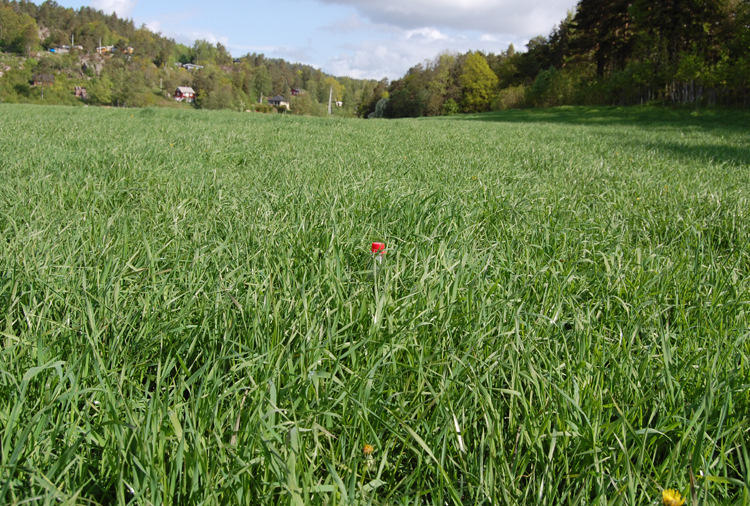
(277, 98)
(185, 89)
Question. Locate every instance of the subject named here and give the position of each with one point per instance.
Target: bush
(264, 108)
(450, 107)
(380, 108)
(590, 92)
(551, 88)
(513, 97)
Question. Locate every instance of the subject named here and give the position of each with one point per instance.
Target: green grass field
(190, 312)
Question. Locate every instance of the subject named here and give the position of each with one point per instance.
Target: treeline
(151, 73)
(619, 52)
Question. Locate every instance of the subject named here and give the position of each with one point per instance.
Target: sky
(364, 39)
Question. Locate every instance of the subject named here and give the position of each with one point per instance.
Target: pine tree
(603, 29)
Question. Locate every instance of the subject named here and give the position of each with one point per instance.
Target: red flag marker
(378, 247)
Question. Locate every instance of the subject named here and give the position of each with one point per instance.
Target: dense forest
(622, 52)
(619, 52)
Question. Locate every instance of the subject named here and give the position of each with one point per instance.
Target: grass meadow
(190, 314)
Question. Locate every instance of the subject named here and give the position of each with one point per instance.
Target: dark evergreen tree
(603, 29)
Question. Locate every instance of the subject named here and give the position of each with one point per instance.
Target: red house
(185, 93)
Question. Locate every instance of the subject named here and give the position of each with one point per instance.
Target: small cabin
(184, 94)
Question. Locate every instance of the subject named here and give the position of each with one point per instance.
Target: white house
(278, 101)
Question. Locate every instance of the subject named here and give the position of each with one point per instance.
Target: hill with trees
(49, 50)
(614, 52)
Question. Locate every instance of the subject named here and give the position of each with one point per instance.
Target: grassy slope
(190, 312)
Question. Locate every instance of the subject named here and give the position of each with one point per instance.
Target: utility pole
(330, 97)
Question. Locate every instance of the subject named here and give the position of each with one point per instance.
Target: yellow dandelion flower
(367, 451)
(672, 497)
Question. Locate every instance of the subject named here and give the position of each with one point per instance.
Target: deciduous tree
(479, 83)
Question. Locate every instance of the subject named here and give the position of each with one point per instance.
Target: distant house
(104, 49)
(184, 93)
(192, 66)
(296, 92)
(278, 101)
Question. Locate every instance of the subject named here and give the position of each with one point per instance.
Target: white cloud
(203, 35)
(292, 54)
(521, 18)
(403, 33)
(121, 7)
(425, 34)
(154, 26)
(371, 61)
(392, 56)
(187, 37)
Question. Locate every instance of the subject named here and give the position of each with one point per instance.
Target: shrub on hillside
(450, 107)
(513, 97)
(264, 108)
(380, 108)
(551, 88)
